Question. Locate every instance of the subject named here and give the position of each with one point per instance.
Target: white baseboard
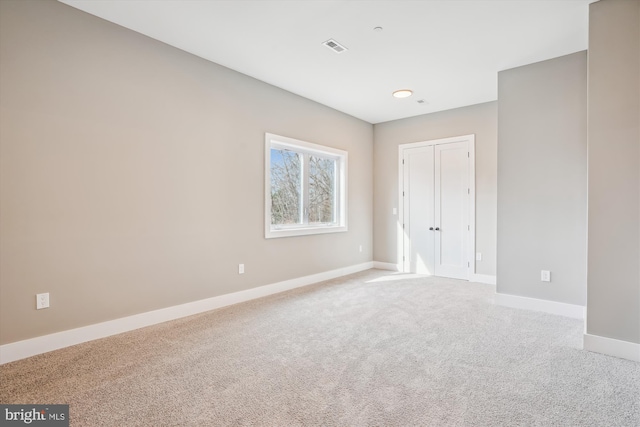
(386, 266)
(31, 347)
(478, 278)
(612, 347)
(552, 307)
(483, 278)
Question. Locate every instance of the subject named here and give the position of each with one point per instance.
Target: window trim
(341, 156)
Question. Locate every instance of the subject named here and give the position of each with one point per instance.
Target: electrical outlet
(42, 301)
(395, 211)
(545, 276)
(240, 268)
(478, 256)
(360, 248)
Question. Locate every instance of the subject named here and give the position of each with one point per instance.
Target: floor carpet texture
(370, 349)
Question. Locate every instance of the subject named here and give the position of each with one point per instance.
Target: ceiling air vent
(334, 46)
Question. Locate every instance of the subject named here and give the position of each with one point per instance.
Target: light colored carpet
(371, 349)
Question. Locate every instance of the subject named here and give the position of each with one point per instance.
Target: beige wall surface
(613, 292)
(132, 174)
(542, 179)
(480, 120)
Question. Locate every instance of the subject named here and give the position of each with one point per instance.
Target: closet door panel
(419, 209)
(451, 208)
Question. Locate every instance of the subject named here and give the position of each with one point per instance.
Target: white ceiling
(447, 51)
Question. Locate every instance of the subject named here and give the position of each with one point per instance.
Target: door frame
(402, 241)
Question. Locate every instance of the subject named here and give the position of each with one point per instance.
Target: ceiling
(447, 51)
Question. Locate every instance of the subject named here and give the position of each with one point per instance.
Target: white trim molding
(483, 278)
(33, 346)
(386, 266)
(551, 307)
(477, 278)
(612, 347)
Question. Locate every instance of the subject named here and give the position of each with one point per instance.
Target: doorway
(437, 207)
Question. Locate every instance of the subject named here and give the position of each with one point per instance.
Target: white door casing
(437, 207)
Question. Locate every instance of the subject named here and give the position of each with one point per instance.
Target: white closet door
(451, 210)
(419, 210)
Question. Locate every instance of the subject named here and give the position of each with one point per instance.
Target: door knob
(430, 228)
(437, 228)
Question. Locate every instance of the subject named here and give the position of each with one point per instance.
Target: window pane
(286, 183)
(322, 193)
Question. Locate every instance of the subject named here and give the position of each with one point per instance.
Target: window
(305, 188)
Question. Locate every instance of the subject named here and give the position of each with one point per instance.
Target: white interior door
(419, 210)
(452, 210)
(437, 208)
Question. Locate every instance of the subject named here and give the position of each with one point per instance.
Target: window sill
(303, 231)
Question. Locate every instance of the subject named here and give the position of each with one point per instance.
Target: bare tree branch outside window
(287, 188)
(321, 189)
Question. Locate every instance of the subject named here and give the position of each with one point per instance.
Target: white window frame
(308, 148)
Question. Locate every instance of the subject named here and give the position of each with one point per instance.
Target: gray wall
(480, 120)
(613, 303)
(132, 174)
(542, 179)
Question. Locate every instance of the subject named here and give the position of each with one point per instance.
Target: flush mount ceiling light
(402, 93)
